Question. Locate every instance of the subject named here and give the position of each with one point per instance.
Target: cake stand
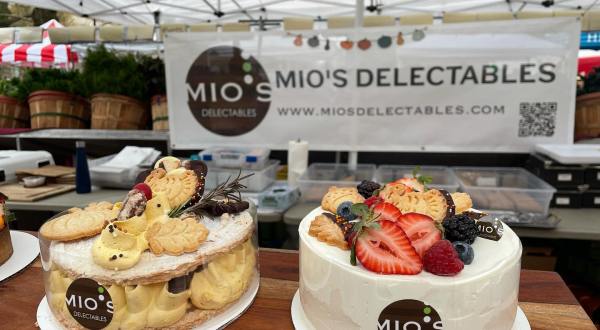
(301, 322)
(25, 249)
(46, 320)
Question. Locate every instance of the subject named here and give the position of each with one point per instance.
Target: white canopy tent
(130, 12)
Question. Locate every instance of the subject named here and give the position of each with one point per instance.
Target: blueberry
(344, 211)
(465, 252)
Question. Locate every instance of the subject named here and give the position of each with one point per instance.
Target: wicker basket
(587, 116)
(111, 111)
(160, 113)
(52, 109)
(13, 114)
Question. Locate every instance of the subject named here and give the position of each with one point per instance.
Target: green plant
(52, 79)
(105, 71)
(12, 88)
(590, 83)
(154, 74)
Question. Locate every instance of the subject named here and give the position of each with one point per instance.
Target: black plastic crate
(556, 174)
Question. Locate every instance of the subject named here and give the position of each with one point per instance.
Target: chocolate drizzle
(344, 225)
(450, 206)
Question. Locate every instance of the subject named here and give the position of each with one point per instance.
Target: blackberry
(460, 228)
(366, 188)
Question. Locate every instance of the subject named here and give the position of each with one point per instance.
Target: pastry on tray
(6, 248)
(407, 257)
(160, 258)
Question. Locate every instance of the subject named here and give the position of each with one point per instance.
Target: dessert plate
(302, 323)
(25, 249)
(46, 320)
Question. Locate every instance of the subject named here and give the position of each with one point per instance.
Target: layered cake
(402, 256)
(6, 248)
(167, 256)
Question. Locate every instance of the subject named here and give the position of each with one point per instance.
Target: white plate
(571, 153)
(302, 323)
(46, 320)
(25, 249)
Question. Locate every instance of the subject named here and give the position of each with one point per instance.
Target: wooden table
(543, 296)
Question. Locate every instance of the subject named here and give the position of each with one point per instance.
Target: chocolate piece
(217, 208)
(475, 215)
(345, 225)
(179, 284)
(134, 204)
(450, 206)
(200, 168)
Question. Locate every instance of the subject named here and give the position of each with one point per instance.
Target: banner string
(384, 41)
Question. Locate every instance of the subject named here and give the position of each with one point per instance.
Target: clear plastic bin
(317, 179)
(256, 183)
(510, 189)
(251, 158)
(442, 176)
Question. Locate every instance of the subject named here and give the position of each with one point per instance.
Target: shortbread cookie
(434, 203)
(76, 225)
(331, 230)
(462, 201)
(180, 185)
(336, 196)
(390, 191)
(175, 236)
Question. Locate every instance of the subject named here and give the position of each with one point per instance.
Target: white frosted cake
(395, 287)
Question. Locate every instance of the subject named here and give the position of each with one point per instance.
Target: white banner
(492, 86)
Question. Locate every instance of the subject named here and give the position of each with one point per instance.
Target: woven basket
(587, 116)
(13, 114)
(52, 109)
(160, 113)
(111, 111)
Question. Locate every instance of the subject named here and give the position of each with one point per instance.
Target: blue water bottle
(83, 184)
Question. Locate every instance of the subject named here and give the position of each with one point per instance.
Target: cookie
(180, 185)
(175, 236)
(336, 196)
(77, 224)
(391, 190)
(325, 229)
(462, 201)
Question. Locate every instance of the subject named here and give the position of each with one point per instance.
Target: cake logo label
(491, 230)
(228, 92)
(89, 303)
(409, 314)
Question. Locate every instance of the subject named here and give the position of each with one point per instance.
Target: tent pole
(358, 22)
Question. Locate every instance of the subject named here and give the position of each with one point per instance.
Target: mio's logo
(409, 314)
(228, 93)
(89, 303)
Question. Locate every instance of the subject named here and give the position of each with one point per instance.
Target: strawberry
(421, 231)
(441, 259)
(387, 250)
(373, 200)
(145, 189)
(387, 211)
(411, 183)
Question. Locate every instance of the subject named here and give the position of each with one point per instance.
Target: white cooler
(12, 160)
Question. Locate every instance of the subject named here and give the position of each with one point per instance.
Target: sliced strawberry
(387, 211)
(411, 183)
(387, 250)
(373, 200)
(421, 231)
(145, 189)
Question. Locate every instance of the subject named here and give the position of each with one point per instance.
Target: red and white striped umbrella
(39, 54)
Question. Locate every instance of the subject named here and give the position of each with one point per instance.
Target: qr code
(537, 119)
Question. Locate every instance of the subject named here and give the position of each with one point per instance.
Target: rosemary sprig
(229, 189)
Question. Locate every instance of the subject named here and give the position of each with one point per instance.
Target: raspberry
(460, 228)
(373, 200)
(366, 188)
(441, 259)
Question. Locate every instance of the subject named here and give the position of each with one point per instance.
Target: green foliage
(591, 82)
(105, 71)
(154, 74)
(12, 88)
(52, 79)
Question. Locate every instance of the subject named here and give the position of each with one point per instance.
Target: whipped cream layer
(337, 295)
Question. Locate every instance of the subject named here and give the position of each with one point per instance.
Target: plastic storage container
(256, 183)
(220, 275)
(317, 179)
(251, 158)
(510, 189)
(442, 176)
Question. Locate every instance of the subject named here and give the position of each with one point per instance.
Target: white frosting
(337, 295)
(77, 256)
